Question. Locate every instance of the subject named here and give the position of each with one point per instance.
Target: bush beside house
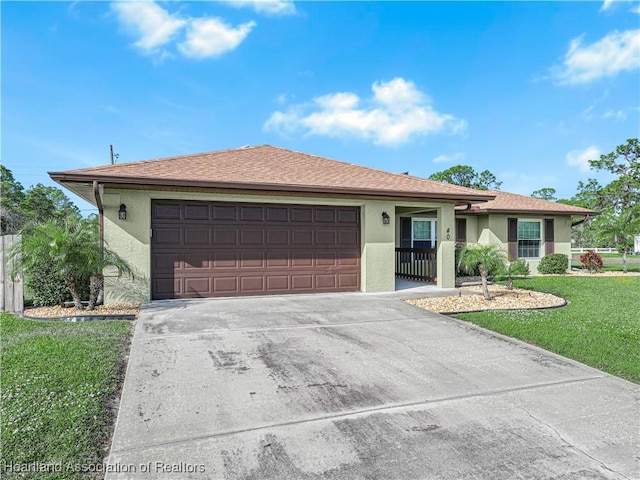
(554, 263)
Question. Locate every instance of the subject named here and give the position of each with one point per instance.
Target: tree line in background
(20, 207)
(617, 202)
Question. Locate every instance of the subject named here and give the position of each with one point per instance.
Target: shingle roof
(514, 203)
(269, 168)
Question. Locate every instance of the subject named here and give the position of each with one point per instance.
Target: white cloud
(157, 29)
(269, 7)
(636, 10)
(618, 115)
(211, 37)
(455, 157)
(151, 23)
(606, 4)
(395, 113)
(617, 52)
(580, 158)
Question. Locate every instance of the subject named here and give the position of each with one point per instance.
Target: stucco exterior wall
(492, 229)
(472, 229)
(446, 247)
(130, 238)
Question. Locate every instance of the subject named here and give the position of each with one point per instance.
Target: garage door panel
(302, 282)
(224, 212)
(301, 214)
(278, 282)
(348, 238)
(166, 287)
(252, 213)
(170, 212)
(225, 285)
(326, 281)
(277, 214)
(326, 259)
(325, 237)
(252, 284)
(196, 237)
(196, 260)
(252, 259)
(225, 236)
(225, 260)
(197, 211)
(301, 259)
(278, 259)
(326, 215)
(205, 249)
(348, 259)
(201, 286)
(348, 280)
(167, 236)
(278, 237)
(350, 215)
(302, 237)
(167, 262)
(252, 237)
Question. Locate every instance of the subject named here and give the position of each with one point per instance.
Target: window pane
(528, 248)
(529, 230)
(421, 230)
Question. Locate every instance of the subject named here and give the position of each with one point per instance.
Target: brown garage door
(213, 249)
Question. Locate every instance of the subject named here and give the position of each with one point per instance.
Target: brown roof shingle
(513, 203)
(273, 169)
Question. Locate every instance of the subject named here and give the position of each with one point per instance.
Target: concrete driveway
(359, 386)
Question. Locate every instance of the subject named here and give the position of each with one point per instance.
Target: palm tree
(60, 243)
(70, 247)
(620, 229)
(487, 259)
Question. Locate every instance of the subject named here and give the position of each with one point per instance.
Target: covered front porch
(417, 241)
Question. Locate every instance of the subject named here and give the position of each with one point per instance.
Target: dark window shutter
(405, 232)
(549, 242)
(461, 230)
(512, 237)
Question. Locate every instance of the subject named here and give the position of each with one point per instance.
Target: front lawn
(600, 326)
(58, 380)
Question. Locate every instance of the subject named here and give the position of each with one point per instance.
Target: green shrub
(516, 268)
(591, 261)
(46, 285)
(554, 263)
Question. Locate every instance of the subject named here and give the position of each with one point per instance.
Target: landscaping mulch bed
(470, 299)
(100, 310)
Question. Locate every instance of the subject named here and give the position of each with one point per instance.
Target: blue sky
(528, 90)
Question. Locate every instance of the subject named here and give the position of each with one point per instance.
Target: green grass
(600, 326)
(57, 381)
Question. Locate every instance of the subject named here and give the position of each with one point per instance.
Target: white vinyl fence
(11, 291)
(596, 250)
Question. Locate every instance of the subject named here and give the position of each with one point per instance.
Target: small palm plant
(487, 259)
(71, 248)
(516, 268)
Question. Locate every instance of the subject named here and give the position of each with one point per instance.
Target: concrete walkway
(355, 386)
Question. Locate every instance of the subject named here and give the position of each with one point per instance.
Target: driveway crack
(571, 445)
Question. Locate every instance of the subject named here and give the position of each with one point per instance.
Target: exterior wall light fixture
(122, 212)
